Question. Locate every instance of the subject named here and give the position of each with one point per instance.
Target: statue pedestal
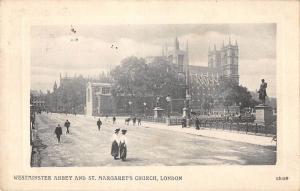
(168, 120)
(263, 114)
(184, 115)
(158, 112)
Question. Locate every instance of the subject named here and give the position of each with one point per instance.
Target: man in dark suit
(58, 132)
(99, 123)
(67, 125)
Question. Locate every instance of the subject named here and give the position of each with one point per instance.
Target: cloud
(53, 52)
(252, 71)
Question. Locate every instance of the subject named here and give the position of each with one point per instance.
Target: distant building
(202, 80)
(225, 61)
(99, 100)
(221, 63)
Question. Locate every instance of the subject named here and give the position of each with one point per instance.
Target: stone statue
(262, 92)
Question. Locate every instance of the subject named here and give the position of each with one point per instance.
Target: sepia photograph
(153, 95)
(149, 95)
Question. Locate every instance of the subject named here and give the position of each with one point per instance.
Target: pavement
(149, 144)
(213, 133)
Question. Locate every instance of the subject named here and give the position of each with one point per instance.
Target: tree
(134, 77)
(233, 94)
(163, 78)
(130, 77)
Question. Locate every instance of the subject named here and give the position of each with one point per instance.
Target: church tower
(230, 61)
(214, 59)
(175, 51)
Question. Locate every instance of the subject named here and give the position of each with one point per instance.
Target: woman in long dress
(115, 144)
(123, 145)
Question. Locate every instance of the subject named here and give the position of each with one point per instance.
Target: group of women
(119, 144)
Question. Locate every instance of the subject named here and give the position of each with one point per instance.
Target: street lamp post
(145, 105)
(240, 107)
(130, 105)
(168, 99)
(157, 101)
(187, 106)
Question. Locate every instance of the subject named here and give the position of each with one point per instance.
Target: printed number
(282, 178)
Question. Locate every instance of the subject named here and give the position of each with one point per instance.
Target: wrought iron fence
(152, 119)
(239, 125)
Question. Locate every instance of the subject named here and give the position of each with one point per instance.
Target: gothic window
(105, 90)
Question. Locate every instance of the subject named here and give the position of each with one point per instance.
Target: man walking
(67, 125)
(114, 119)
(58, 132)
(99, 123)
(139, 121)
(133, 120)
(197, 123)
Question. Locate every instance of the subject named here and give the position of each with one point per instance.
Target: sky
(54, 49)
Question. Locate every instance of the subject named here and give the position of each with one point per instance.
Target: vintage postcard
(151, 95)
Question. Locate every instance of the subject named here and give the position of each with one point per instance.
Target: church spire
(187, 52)
(176, 45)
(166, 49)
(54, 87)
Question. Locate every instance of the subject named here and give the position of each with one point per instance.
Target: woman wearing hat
(115, 144)
(123, 145)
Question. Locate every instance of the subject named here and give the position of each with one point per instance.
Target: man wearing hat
(115, 144)
(58, 132)
(123, 145)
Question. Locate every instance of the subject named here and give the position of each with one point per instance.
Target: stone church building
(200, 80)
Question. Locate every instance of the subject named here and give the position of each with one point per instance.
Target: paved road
(86, 146)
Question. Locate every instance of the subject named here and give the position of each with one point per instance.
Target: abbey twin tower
(222, 63)
(226, 61)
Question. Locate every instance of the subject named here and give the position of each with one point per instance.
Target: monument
(263, 114)
(158, 111)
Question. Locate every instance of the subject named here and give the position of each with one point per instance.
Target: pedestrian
(183, 123)
(133, 120)
(67, 125)
(127, 121)
(123, 145)
(114, 119)
(115, 144)
(58, 132)
(139, 121)
(99, 123)
(197, 123)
